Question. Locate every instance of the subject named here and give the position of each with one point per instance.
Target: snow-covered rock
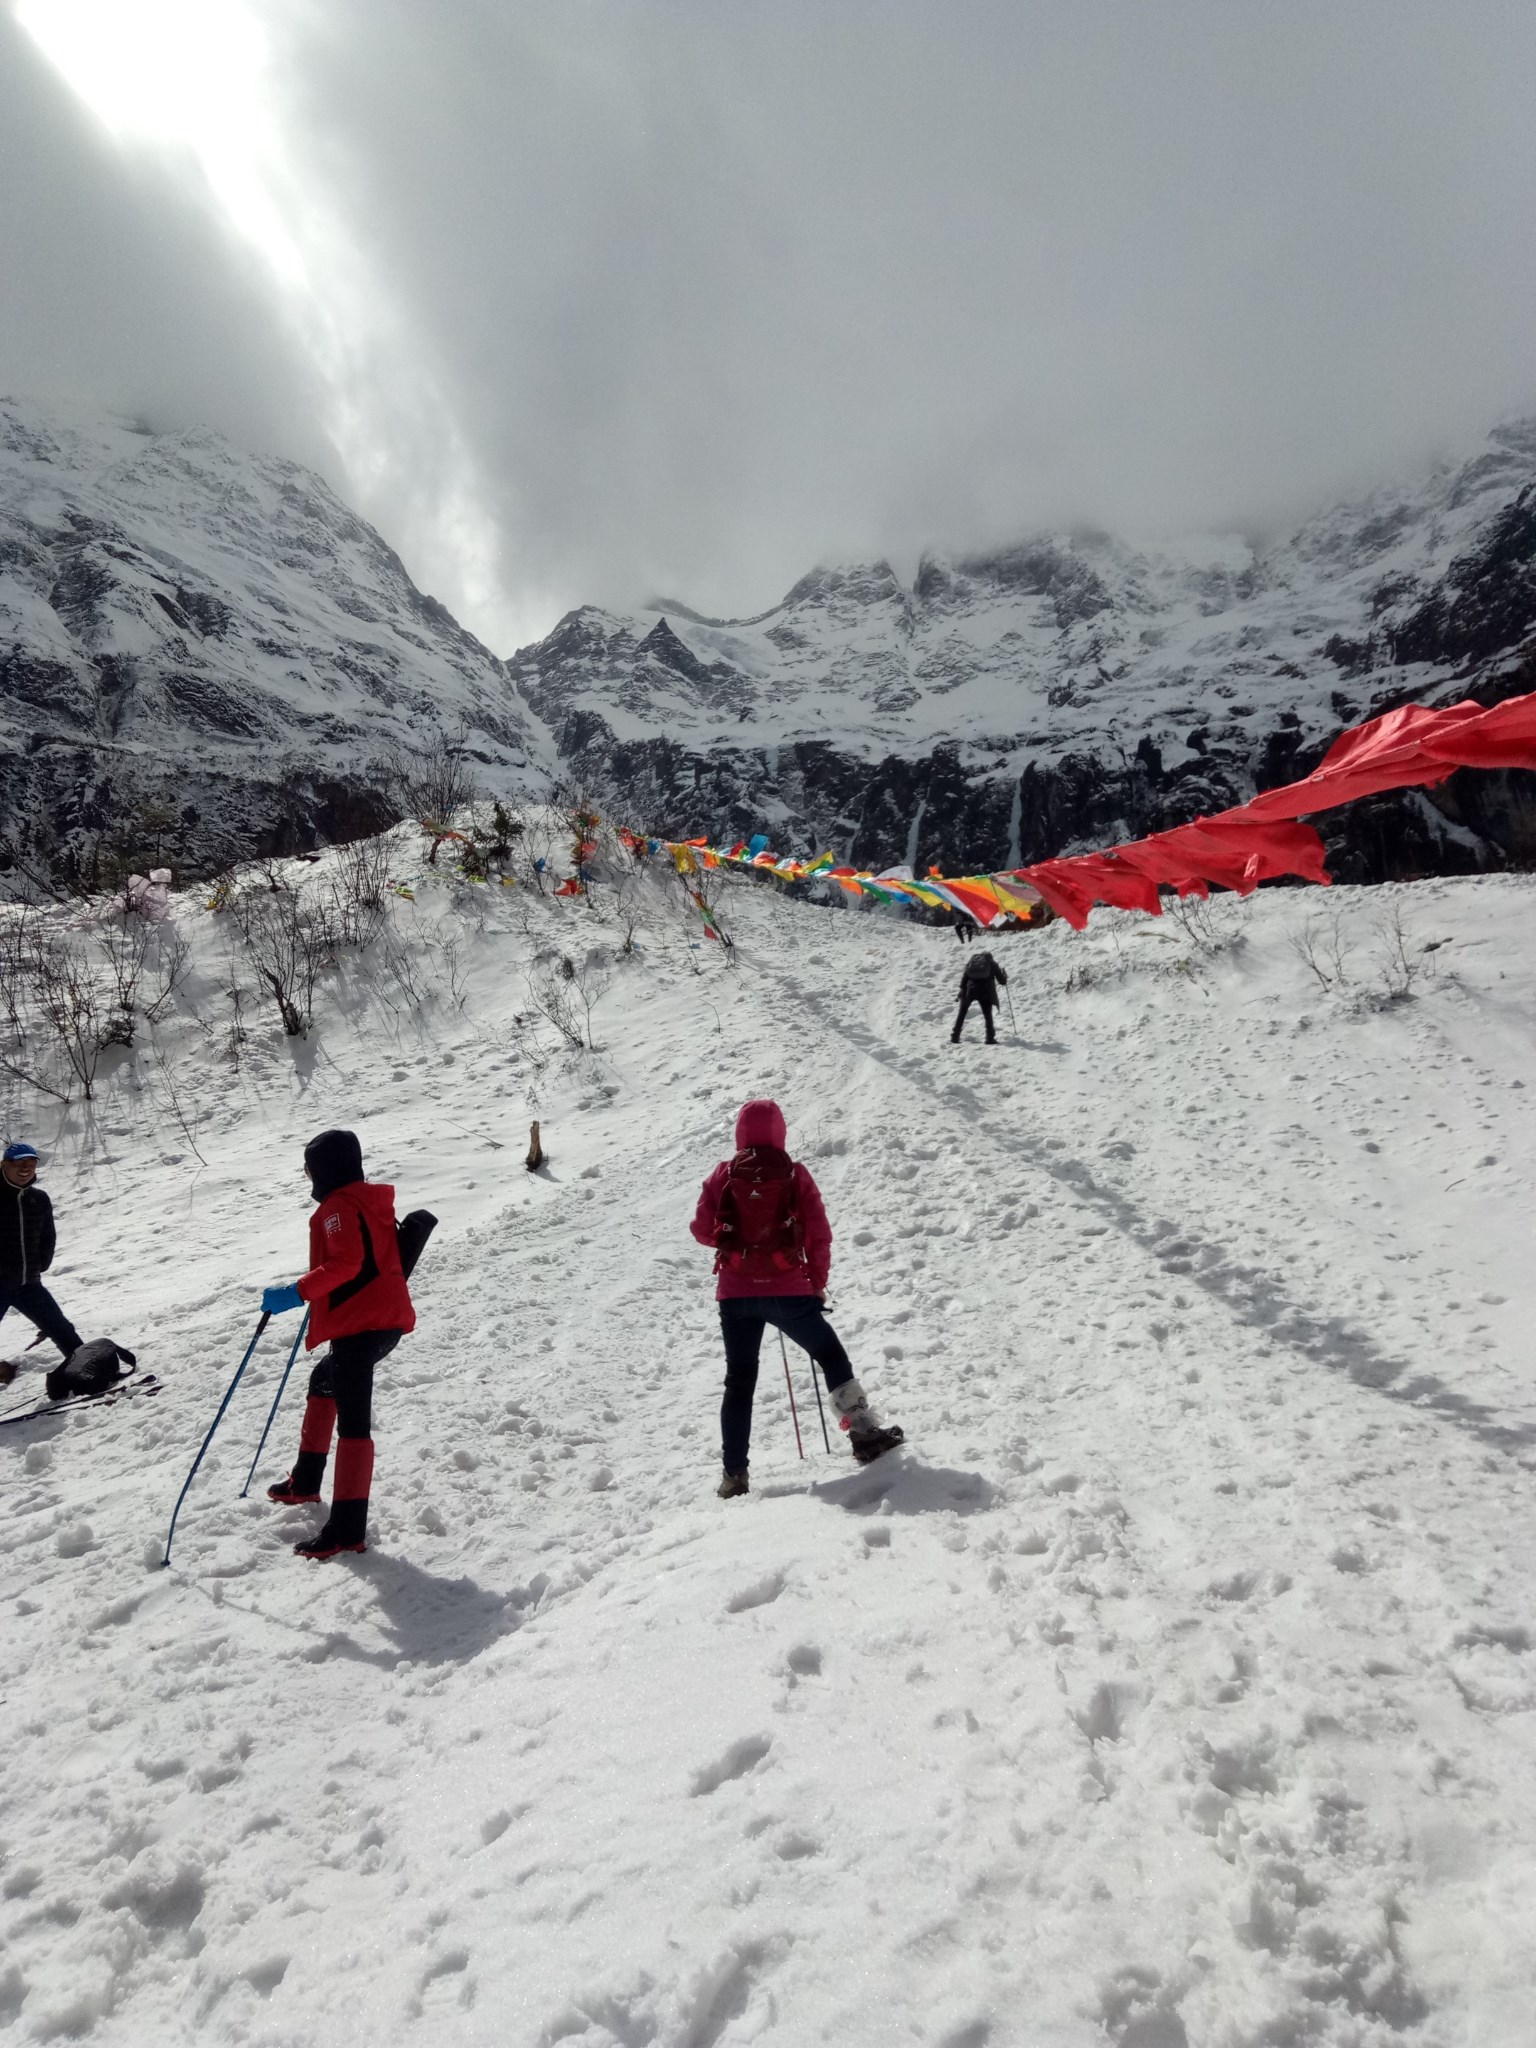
(215, 632)
(1070, 689)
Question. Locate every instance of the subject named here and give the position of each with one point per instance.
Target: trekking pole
(276, 1398)
(208, 1439)
(1013, 1022)
(816, 1390)
(789, 1383)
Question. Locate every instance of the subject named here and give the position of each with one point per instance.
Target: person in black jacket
(979, 982)
(26, 1248)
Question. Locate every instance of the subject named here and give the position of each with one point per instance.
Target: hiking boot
(732, 1484)
(287, 1493)
(866, 1439)
(303, 1483)
(322, 1547)
(874, 1443)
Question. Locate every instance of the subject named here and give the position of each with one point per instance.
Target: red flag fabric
(1389, 752)
(1054, 880)
(1268, 847)
(1115, 882)
(1504, 737)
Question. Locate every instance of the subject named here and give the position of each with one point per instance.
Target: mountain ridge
(215, 639)
(200, 631)
(1069, 687)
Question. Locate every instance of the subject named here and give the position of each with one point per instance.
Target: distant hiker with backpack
(360, 1304)
(965, 926)
(26, 1251)
(762, 1213)
(980, 979)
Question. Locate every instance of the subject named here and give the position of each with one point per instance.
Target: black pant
(344, 1374)
(742, 1321)
(39, 1306)
(987, 998)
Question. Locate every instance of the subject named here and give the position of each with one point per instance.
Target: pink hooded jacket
(762, 1123)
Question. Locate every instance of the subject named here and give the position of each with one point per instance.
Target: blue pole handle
(276, 1401)
(208, 1439)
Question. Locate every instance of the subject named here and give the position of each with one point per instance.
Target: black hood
(333, 1160)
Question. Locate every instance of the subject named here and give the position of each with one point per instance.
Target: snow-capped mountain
(213, 640)
(184, 623)
(1072, 688)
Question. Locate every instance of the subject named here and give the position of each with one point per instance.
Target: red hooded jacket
(762, 1123)
(355, 1281)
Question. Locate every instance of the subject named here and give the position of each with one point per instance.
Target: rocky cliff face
(1073, 689)
(201, 648)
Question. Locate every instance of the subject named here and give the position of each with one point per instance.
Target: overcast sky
(586, 300)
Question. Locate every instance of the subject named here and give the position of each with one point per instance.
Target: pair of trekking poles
(250, 1350)
(794, 1412)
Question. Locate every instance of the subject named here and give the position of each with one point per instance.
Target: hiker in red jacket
(360, 1304)
(762, 1212)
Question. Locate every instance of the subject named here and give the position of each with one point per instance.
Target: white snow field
(1176, 1684)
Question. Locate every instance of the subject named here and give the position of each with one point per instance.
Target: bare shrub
(447, 949)
(360, 890)
(535, 849)
(291, 943)
(1322, 947)
(69, 1004)
(553, 993)
(165, 970)
(590, 983)
(185, 1117)
(27, 1049)
(124, 947)
(1192, 915)
(433, 781)
(1396, 969)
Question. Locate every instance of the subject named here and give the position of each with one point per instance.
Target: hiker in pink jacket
(762, 1213)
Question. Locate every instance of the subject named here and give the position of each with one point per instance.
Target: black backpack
(980, 967)
(411, 1234)
(89, 1369)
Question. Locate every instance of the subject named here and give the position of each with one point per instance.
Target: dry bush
(1323, 948)
(565, 993)
(360, 890)
(433, 781)
(290, 942)
(60, 1011)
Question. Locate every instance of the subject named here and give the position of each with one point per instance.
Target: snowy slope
(1059, 692)
(1176, 1686)
(179, 617)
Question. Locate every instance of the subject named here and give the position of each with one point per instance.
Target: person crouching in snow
(762, 1212)
(979, 982)
(360, 1304)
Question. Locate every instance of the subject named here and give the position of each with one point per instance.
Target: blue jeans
(742, 1322)
(39, 1306)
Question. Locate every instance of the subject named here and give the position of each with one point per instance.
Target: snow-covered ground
(1176, 1684)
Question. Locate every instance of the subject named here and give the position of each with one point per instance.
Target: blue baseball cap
(19, 1151)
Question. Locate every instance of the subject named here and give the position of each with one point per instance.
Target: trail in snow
(1176, 1685)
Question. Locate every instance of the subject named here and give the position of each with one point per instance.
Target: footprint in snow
(741, 1757)
(758, 1594)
